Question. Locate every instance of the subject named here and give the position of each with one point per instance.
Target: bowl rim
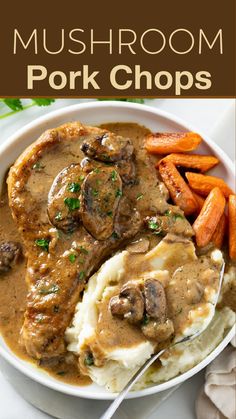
(77, 391)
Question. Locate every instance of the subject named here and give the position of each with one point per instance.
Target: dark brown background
(166, 15)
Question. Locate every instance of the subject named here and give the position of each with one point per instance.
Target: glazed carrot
(218, 235)
(193, 161)
(232, 227)
(200, 200)
(178, 188)
(205, 224)
(203, 184)
(168, 142)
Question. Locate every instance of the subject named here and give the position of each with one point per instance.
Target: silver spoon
(118, 400)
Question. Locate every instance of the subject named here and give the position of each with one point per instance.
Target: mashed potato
(119, 363)
(186, 355)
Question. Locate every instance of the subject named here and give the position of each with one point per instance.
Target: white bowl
(94, 113)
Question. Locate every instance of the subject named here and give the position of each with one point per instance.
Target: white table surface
(215, 117)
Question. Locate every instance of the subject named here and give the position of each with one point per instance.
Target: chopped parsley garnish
(58, 216)
(96, 170)
(139, 196)
(83, 250)
(113, 175)
(72, 203)
(145, 320)
(43, 243)
(153, 225)
(95, 192)
(176, 216)
(53, 289)
(81, 275)
(118, 193)
(61, 373)
(109, 213)
(115, 235)
(72, 257)
(88, 360)
(37, 166)
(82, 177)
(179, 311)
(73, 187)
(105, 157)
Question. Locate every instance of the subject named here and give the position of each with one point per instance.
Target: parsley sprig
(43, 243)
(16, 105)
(125, 99)
(72, 203)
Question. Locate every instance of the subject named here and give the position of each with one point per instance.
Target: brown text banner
(122, 49)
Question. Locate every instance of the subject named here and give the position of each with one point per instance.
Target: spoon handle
(118, 400)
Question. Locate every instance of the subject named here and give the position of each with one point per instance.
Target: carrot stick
(165, 142)
(200, 200)
(232, 227)
(193, 161)
(209, 217)
(203, 184)
(218, 235)
(178, 188)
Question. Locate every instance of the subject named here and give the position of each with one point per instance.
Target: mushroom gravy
(13, 293)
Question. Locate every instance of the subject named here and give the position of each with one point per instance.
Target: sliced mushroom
(129, 304)
(157, 327)
(125, 168)
(155, 299)
(107, 147)
(101, 193)
(127, 171)
(64, 198)
(158, 331)
(128, 219)
(10, 253)
(119, 306)
(88, 165)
